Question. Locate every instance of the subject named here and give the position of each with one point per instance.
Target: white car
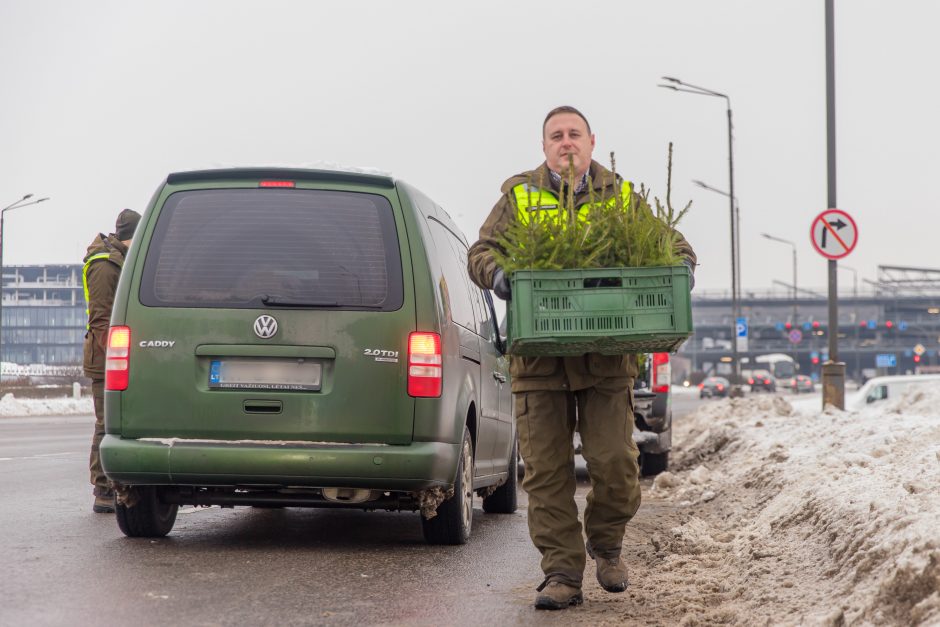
(882, 388)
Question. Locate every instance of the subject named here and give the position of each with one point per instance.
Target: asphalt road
(64, 565)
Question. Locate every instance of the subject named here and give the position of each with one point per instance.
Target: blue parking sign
(741, 327)
(886, 360)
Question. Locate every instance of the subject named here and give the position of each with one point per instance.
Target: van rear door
(271, 313)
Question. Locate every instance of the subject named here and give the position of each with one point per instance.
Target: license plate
(265, 374)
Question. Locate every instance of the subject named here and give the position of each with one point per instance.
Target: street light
(854, 272)
(678, 85)
(737, 225)
(16, 205)
(795, 289)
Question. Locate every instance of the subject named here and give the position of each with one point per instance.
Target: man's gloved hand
(691, 268)
(501, 285)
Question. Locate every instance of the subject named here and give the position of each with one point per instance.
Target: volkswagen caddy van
(308, 338)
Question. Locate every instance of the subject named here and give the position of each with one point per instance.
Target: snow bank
(827, 517)
(11, 406)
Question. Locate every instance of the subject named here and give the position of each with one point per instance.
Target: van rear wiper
(278, 301)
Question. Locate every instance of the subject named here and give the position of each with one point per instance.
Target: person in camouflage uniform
(103, 262)
(555, 395)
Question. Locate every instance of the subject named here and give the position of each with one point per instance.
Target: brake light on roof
(117, 359)
(661, 372)
(425, 365)
(276, 184)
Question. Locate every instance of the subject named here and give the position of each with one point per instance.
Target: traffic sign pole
(833, 372)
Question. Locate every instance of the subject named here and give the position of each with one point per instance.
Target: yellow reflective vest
(87, 265)
(530, 199)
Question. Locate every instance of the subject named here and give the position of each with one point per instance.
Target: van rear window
(259, 248)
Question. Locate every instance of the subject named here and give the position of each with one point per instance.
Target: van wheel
(503, 500)
(654, 463)
(149, 518)
(455, 515)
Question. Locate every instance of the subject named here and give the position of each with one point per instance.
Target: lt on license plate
(265, 374)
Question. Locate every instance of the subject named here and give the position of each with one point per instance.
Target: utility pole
(833, 371)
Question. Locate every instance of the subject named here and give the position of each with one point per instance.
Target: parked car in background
(762, 381)
(714, 387)
(889, 387)
(801, 383)
(652, 412)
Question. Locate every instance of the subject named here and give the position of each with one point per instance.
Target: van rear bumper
(412, 467)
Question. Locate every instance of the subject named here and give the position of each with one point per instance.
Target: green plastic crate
(609, 310)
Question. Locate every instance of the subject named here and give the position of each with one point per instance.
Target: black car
(714, 387)
(761, 380)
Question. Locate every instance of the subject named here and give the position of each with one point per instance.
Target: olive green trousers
(98, 479)
(546, 421)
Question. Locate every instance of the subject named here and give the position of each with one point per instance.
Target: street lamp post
(795, 288)
(854, 272)
(678, 85)
(22, 202)
(737, 226)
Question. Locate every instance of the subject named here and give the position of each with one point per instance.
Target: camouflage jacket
(101, 278)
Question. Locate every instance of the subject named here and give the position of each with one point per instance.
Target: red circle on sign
(822, 217)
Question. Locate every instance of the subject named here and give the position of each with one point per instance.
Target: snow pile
(11, 406)
(802, 516)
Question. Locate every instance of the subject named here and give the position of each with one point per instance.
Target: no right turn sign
(834, 233)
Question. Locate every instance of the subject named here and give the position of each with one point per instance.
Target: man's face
(567, 136)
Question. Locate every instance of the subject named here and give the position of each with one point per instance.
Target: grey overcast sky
(100, 100)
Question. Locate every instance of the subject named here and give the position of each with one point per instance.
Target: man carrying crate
(553, 395)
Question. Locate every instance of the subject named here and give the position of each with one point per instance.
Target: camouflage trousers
(98, 479)
(603, 415)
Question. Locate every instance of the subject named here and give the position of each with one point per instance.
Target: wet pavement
(65, 565)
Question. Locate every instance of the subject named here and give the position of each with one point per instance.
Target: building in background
(891, 326)
(43, 315)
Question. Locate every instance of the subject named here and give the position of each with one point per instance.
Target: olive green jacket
(103, 275)
(553, 373)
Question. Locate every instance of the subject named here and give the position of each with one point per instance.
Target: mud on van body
(304, 338)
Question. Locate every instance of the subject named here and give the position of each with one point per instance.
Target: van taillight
(424, 365)
(117, 359)
(661, 372)
(282, 184)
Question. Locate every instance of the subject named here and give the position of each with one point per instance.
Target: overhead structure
(909, 280)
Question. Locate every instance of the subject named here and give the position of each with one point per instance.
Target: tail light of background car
(117, 359)
(662, 372)
(425, 371)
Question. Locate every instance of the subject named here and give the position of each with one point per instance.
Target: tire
(654, 463)
(149, 518)
(455, 515)
(504, 499)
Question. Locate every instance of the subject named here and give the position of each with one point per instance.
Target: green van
(287, 337)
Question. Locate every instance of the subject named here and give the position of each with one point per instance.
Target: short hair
(564, 109)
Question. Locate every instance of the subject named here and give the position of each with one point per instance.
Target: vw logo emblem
(265, 326)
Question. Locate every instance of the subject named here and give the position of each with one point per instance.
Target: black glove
(501, 285)
(691, 267)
